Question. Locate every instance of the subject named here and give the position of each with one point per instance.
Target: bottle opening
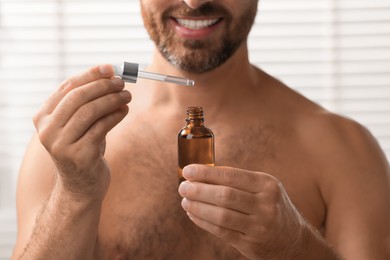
(195, 112)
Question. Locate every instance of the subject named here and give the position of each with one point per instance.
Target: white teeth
(196, 24)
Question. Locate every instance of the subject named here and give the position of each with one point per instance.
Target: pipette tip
(191, 83)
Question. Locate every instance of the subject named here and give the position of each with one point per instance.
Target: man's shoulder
(340, 145)
(333, 132)
(314, 123)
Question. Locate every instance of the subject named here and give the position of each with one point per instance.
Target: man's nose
(194, 4)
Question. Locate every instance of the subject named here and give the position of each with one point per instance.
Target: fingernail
(126, 94)
(191, 216)
(106, 69)
(189, 171)
(184, 187)
(185, 204)
(118, 82)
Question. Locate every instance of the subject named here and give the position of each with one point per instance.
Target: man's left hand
(249, 210)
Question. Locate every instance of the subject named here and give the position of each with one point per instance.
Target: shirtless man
(293, 181)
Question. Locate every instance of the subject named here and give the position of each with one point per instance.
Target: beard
(198, 56)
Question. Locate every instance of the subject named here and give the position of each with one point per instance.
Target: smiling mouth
(197, 24)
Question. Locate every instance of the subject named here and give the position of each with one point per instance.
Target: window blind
(336, 52)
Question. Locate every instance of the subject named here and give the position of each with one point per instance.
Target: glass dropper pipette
(130, 72)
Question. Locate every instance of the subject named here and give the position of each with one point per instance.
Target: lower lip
(194, 34)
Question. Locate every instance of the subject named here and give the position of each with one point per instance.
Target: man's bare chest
(142, 217)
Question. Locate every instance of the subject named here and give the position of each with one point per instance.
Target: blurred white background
(336, 52)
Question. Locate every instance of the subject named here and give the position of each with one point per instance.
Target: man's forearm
(66, 228)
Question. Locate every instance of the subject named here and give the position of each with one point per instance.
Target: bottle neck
(195, 116)
(195, 121)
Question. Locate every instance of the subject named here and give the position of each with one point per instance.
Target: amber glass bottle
(195, 141)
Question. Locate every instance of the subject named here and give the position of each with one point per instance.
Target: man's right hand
(73, 123)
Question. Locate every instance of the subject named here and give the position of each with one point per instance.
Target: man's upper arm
(34, 186)
(356, 188)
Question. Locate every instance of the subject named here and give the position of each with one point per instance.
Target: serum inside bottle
(195, 141)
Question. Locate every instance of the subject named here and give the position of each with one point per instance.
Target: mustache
(207, 9)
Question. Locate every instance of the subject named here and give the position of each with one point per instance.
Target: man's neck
(231, 83)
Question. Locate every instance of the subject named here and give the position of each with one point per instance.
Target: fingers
(229, 197)
(90, 75)
(223, 233)
(225, 218)
(98, 72)
(222, 196)
(75, 110)
(83, 95)
(99, 115)
(226, 176)
(99, 130)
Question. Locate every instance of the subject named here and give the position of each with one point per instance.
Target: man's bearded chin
(197, 60)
